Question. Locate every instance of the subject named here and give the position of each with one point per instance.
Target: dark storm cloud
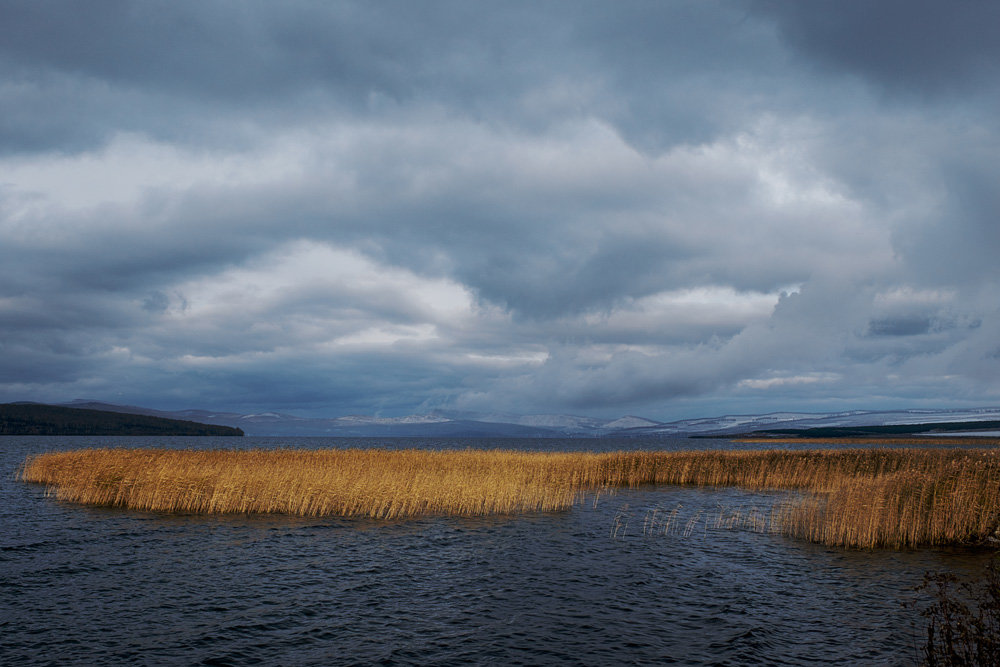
(959, 244)
(900, 327)
(226, 51)
(529, 206)
(924, 46)
(356, 385)
(657, 72)
(260, 63)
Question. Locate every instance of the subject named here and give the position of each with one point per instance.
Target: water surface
(83, 585)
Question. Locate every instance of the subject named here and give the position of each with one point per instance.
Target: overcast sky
(669, 209)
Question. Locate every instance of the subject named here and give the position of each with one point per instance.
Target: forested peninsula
(39, 419)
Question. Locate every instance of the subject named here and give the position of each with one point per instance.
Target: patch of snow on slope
(388, 421)
(631, 421)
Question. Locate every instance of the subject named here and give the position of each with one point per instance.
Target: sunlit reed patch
(857, 498)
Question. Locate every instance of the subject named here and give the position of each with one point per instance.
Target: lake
(598, 584)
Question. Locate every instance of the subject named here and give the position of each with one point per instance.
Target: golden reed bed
(858, 497)
(883, 441)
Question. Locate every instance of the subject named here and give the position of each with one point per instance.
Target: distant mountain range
(504, 425)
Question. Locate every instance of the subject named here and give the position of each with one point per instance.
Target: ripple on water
(99, 586)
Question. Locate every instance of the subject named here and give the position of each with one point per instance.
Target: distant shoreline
(40, 419)
(963, 439)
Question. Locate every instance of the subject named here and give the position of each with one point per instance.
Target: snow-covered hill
(794, 420)
(469, 424)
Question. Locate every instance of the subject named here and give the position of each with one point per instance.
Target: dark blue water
(588, 586)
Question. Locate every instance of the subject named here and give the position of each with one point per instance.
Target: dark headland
(40, 419)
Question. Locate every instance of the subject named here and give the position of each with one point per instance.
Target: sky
(668, 209)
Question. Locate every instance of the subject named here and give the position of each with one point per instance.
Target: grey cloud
(392, 384)
(644, 68)
(820, 335)
(899, 327)
(958, 244)
(27, 366)
(261, 64)
(219, 50)
(924, 47)
(564, 163)
(156, 302)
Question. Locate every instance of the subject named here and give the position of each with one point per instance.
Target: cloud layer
(675, 209)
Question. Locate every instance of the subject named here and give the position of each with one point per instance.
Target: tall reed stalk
(858, 497)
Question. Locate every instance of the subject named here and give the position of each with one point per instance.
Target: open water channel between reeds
(644, 576)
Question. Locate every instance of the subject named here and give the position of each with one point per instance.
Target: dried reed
(854, 497)
(897, 441)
